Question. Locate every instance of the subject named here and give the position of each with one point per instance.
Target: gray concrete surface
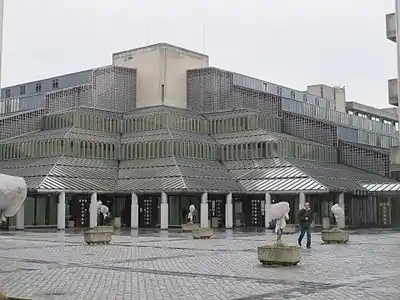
(171, 265)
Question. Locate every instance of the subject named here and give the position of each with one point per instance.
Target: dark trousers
(303, 231)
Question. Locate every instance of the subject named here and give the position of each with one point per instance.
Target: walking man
(306, 218)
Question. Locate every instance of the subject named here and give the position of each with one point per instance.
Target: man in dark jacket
(306, 218)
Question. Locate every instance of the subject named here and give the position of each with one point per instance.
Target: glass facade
(179, 208)
(41, 210)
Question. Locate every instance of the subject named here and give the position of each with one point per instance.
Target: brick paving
(171, 265)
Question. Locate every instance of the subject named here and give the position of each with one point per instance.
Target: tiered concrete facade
(161, 129)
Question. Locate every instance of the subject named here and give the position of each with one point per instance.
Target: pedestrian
(306, 218)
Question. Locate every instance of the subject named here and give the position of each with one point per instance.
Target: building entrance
(216, 211)
(148, 210)
(249, 210)
(79, 210)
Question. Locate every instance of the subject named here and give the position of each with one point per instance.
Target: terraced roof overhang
(173, 174)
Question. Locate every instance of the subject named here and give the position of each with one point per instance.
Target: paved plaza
(171, 265)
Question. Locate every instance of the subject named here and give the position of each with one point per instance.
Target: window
(279, 91)
(38, 87)
(55, 83)
(293, 95)
(22, 90)
(317, 101)
(305, 98)
(8, 93)
(265, 87)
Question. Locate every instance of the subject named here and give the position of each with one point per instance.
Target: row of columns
(204, 222)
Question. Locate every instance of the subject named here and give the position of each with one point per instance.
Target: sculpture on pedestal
(100, 234)
(278, 253)
(13, 191)
(336, 235)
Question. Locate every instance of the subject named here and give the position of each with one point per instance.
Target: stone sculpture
(190, 214)
(336, 235)
(102, 209)
(338, 212)
(278, 253)
(189, 226)
(13, 191)
(280, 213)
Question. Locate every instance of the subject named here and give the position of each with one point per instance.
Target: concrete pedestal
(279, 255)
(98, 235)
(335, 236)
(203, 233)
(4, 297)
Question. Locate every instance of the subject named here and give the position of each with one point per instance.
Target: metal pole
(397, 15)
(1, 37)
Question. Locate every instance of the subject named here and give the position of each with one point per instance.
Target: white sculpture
(280, 213)
(102, 209)
(338, 212)
(13, 191)
(192, 208)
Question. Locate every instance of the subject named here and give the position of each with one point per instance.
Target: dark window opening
(8, 93)
(55, 83)
(38, 87)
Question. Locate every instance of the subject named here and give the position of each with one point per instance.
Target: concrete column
(268, 217)
(302, 200)
(204, 211)
(228, 212)
(134, 212)
(342, 221)
(93, 211)
(164, 211)
(61, 211)
(20, 218)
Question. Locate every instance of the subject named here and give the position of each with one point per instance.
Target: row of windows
(373, 118)
(159, 121)
(143, 150)
(279, 149)
(22, 89)
(236, 124)
(274, 89)
(160, 149)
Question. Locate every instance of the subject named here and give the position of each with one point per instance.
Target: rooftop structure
(161, 129)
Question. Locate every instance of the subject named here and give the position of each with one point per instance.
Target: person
(306, 218)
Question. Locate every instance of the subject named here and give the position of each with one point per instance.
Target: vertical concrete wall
(338, 94)
(161, 73)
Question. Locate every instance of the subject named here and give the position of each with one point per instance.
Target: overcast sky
(289, 42)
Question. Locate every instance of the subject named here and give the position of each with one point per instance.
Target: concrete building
(160, 129)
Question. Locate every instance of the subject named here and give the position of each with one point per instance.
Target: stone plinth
(4, 297)
(290, 229)
(202, 233)
(189, 227)
(98, 235)
(279, 255)
(335, 236)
